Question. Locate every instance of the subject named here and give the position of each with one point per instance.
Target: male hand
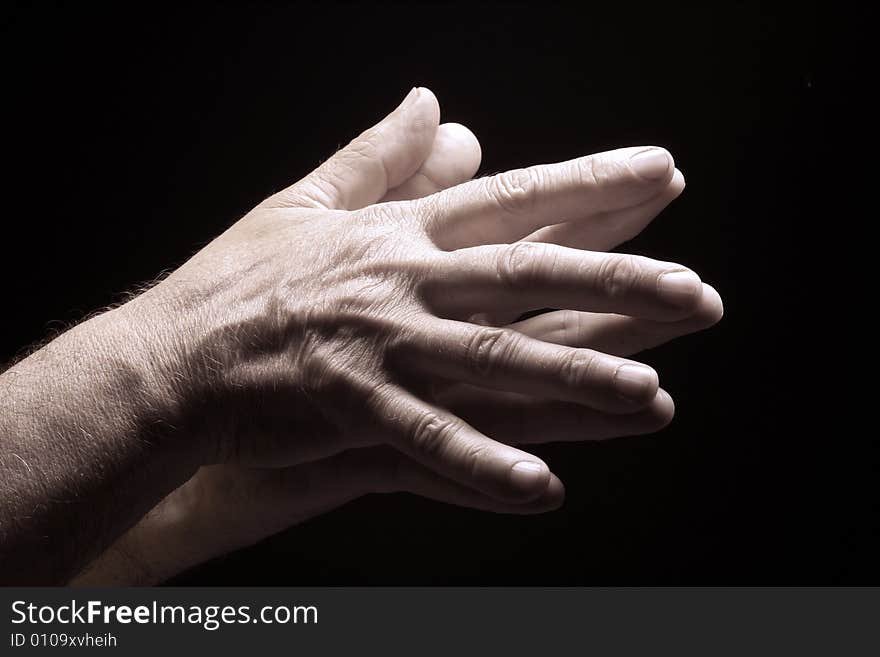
(330, 343)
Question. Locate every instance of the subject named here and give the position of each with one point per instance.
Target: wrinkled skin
(352, 334)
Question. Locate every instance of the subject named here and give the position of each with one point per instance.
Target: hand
(272, 499)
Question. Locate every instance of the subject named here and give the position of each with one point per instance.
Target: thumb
(454, 158)
(379, 159)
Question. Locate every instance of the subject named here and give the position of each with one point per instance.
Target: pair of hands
(352, 334)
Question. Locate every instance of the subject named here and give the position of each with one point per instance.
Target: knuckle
(475, 456)
(362, 153)
(578, 368)
(585, 171)
(324, 186)
(618, 275)
(521, 263)
(570, 326)
(428, 209)
(430, 435)
(488, 347)
(318, 372)
(379, 400)
(599, 170)
(514, 191)
(367, 144)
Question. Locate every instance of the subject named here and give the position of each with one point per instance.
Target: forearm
(87, 446)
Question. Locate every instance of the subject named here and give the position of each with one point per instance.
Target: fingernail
(410, 99)
(635, 382)
(680, 288)
(651, 164)
(526, 475)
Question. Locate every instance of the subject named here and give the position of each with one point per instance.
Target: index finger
(508, 206)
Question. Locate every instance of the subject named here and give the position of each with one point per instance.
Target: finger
(510, 205)
(605, 230)
(599, 232)
(403, 474)
(379, 159)
(529, 275)
(308, 490)
(620, 335)
(519, 420)
(454, 158)
(503, 359)
(452, 449)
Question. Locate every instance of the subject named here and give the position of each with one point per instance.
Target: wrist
(194, 523)
(161, 334)
(162, 544)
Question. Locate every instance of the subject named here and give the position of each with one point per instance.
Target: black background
(132, 135)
